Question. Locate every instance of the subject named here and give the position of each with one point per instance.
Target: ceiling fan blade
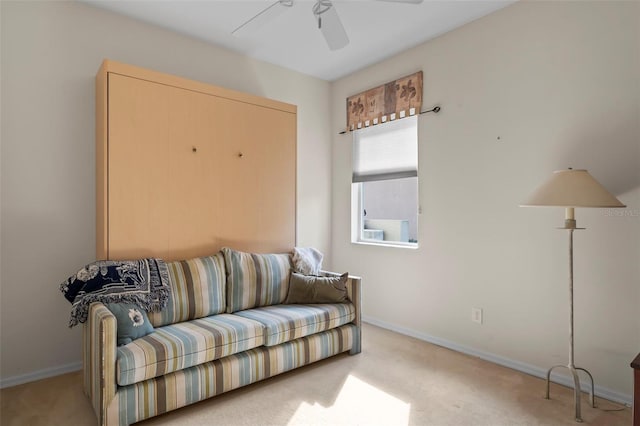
(265, 16)
(332, 29)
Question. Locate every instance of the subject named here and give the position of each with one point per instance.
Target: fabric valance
(397, 99)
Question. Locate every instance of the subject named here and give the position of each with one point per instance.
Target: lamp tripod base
(576, 387)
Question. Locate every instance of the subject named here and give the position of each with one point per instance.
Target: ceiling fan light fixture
(321, 7)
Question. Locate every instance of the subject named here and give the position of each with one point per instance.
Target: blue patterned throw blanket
(144, 282)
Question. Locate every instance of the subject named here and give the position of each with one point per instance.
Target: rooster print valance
(397, 99)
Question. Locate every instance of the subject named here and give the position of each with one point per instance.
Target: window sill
(411, 246)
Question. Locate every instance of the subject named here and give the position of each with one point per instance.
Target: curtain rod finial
(435, 109)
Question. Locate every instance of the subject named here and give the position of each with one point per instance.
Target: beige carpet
(396, 380)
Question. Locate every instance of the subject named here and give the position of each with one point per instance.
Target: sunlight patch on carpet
(358, 403)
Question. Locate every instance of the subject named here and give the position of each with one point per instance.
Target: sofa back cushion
(255, 280)
(198, 290)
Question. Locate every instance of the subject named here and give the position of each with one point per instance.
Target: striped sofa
(225, 326)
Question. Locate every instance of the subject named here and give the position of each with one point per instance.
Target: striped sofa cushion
(178, 389)
(198, 289)
(284, 323)
(184, 345)
(255, 279)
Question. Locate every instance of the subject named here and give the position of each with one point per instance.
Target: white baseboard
(533, 370)
(600, 391)
(40, 374)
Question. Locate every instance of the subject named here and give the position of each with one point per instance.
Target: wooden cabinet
(185, 168)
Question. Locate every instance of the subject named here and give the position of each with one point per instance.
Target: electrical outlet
(476, 315)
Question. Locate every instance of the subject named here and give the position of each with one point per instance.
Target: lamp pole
(570, 225)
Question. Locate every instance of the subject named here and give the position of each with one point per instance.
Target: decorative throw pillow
(197, 290)
(132, 322)
(255, 279)
(311, 289)
(307, 260)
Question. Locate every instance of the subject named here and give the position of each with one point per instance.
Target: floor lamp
(570, 189)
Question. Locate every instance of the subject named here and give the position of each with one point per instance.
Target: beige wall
(51, 52)
(555, 82)
(535, 87)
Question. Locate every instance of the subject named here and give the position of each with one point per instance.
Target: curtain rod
(436, 109)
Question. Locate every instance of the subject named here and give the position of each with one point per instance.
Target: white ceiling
(376, 29)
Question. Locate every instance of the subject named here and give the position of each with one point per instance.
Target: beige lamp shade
(572, 188)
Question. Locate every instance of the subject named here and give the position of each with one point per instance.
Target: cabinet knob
(240, 155)
(194, 149)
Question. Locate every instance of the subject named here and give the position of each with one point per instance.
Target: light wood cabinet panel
(254, 165)
(190, 168)
(138, 167)
(195, 192)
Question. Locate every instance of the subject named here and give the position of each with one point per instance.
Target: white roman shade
(386, 151)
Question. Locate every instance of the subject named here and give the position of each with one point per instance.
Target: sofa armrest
(99, 358)
(354, 285)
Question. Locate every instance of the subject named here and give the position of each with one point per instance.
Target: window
(384, 201)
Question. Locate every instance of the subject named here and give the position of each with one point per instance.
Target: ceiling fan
(324, 11)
